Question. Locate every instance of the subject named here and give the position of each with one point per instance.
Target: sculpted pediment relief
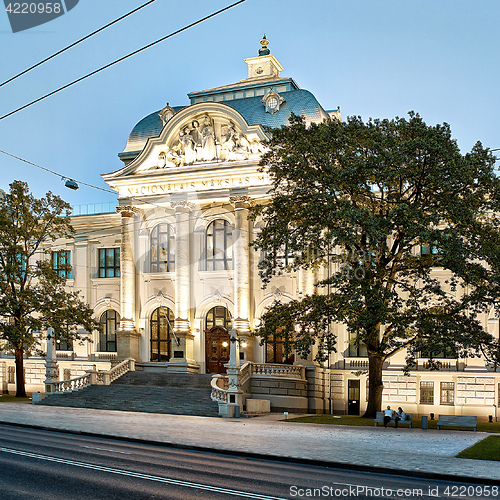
(200, 138)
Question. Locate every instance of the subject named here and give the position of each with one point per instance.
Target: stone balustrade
(219, 383)
(278, 370)
(93, 378)
(74, 384)
(219, 389)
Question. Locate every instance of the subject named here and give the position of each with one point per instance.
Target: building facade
(170, 272)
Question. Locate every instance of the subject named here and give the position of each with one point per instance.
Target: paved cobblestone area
(428, 451)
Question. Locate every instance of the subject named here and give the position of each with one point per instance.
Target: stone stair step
(178, 394)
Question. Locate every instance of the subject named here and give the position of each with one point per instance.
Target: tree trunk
(20, 386)
(375, 386)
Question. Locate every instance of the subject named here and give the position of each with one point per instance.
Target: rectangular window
(427, 393)
(64, 345)
(109, 262)
(433, 251)
(61, 263)
(356, 351)
(448, 393)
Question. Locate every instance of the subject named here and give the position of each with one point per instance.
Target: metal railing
(94, 209)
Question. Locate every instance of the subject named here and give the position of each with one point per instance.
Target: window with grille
(107, 337)
(64, 345)
(447, 393)
(61, 263)
(109, 262)
(219, 246)
(427, 393)
(162, 320)
(162, 249)
(356, 351)
(433, 251)
(218, 316)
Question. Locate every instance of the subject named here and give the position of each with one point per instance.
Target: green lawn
(359, 421)
(10, 398)
(487, 449)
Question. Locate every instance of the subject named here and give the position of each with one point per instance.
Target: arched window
(278, 349)
(219, 316)
(107, 337)
(162, 321)
(219, 246)
(162, 249)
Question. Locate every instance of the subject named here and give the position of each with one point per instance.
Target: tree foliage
(32, 294)
(404, 224)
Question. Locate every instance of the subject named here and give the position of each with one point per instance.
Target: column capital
(182, 206)
(126, 210)
(241, 201)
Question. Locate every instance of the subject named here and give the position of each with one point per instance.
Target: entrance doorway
(353, 395)
(216, 349)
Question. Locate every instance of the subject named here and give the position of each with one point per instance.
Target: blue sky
(373, 58)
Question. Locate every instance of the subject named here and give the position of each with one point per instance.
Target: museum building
(170, 273)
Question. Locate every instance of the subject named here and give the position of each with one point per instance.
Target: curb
(273, 458)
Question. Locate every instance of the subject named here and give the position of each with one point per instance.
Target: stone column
(235, 394)
(241, 260)
(127, 337)
(307, 280)
(183, 342)
(51, 365)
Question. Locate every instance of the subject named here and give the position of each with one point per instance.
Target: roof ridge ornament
(264, 51)
(166, 113)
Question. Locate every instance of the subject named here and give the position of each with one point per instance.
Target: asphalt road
(40, 465)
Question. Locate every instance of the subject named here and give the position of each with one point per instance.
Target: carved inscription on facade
(201, 185)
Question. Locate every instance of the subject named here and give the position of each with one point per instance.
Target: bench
(457, 421)
(380, 419)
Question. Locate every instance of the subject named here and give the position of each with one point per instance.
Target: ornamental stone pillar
(183, 342)
(241, 259)
(127, 337)
(51, 365)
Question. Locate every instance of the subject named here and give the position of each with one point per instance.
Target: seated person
(388, 413)
(400, 415)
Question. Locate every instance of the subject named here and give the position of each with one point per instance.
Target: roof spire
(264, 51)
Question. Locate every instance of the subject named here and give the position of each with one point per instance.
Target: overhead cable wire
(139, 200)
(75, 43)
(56, 173)
(122, 58)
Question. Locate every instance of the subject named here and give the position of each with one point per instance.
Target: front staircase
(171, 393)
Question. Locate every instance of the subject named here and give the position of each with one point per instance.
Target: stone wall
(284, 394)
(34, 372)
(477, 391)
(399, 389)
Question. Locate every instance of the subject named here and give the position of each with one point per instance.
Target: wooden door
(353, 395)
(217, 349)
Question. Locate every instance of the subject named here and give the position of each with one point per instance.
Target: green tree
(400, 218)
(32, 294)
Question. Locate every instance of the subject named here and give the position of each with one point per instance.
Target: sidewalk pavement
(417, 452)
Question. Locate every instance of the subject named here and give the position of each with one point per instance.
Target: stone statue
(188, 146)
(227, 140)
(168, 159)
(207, 134)
(241, 149)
